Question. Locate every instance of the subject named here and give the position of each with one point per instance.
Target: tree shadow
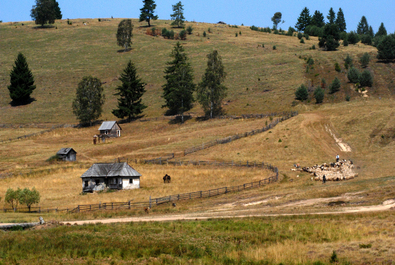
(44, 27)
(124, 51)
(385, 61)
(178, 119)
(14, 103)
(86, 125)
(131, 120)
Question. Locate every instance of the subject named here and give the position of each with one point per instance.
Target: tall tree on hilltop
(318, 19)
(331, 16)
(303, 20)
(341, 21)
(178, 15)
(276, 19)
(22, 81)
(58, 13)
(371, 32)
(363, 26)
(210, 90)
(382, 31)
(179, 87)
(124, 33)
(147, 12)
(44, 12)
(330, 38)
(89, 100)
(130, 93)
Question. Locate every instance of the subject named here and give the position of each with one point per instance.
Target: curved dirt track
(385, 206)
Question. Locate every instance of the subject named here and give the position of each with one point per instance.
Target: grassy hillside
(259, 79)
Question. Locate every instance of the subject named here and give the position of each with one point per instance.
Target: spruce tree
(303, 20)
(318, 19)
(386, 48)
(179, 87)
(319, 95)
(147, 12)
(89, 100)
(124, 33)
(363, 27)
(58, 13)
(341, 21)
(301, 93)
(364, 60)
(382, 31)
(330, 38)
(129, 94)
(331, 16)
(335, 86)
(366, 78)
(178, 15)
(210, 90)
(354, 75)
(22, 81)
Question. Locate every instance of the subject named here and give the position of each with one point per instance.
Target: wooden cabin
(118, 176)
(110, 129)
(67, 154)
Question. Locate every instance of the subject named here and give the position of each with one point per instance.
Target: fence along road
(191, 195)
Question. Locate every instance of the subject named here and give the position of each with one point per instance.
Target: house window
(86, 183)
(113, 181)
(130, 181)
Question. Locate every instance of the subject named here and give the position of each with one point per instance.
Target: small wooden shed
(67, 154)
(110, 129)
(120, 176)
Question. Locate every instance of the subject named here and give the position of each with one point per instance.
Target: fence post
(226, 190)
(247, 163)
(112, 205)
(149, 198)
(201, 194)
(39, 209)
(178, 196)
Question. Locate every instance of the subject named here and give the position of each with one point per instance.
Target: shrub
(236, 34)
(204, 34)
(153, 30)
(353, 38)
(348, 98)
(310, 61)
(274, 47)
(300, 35)
(335, 86)
(343, 35)
(306, 36)
(301, 93)
(366, 39)
(254, 28)
(345, 42)
(263, 45)
(348, 61)
(302, 40)
(353, 75)
(337, 67)
(291, 31)
(386, 47)
(319, 95)
(183, 34)
(240, 33)
(313, 47)
(189, 30)
(334, 258)
(323, 83)
(364, 60)
(164, 32)
(209, 30)
(366, 79)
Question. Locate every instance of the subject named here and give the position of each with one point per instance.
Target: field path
(385, 206)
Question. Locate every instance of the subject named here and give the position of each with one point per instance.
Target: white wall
(126, 185)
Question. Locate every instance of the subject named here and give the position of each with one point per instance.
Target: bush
(323, 83)
(353, 38)
(310, 61)
(353, 75)
(291, 31)
(345, 42)
(254, 28)
(314, 31)
(337, 67)
(274, 47)
(300, 35)
(364, 60)
(335, 86)
(366, 39)
(334, 258)
(301, 93)
(236, 34)
(319, 95)
(313, 47)
(164, 32)
(366, 79)
(348, 62)
(386, 47)
(204, 34)
(302, 40)
(183, 34)
(189, 30)
(153, 30)
(348, 98)
(306, 36)
(209, 30)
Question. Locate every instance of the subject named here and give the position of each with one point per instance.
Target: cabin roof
(65, 151)
(108, 125)
(111, 170)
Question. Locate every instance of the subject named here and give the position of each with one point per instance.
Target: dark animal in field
(166, 179)
(146, 209)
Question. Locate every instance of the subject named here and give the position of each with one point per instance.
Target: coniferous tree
(319, 95)
(371, 32)
(210, 90)
(348, 62)
(363, 27)
(386, 48)
(178, 15)
(331, 16)
(22, 81)
(302, 93)
(341, 21)
(44, 12)
(58, 13)
(304, 20)
(130, 93)
(330, 38)
(364, 60)
(124, 33)
(276, 19)
(353, 38)
(354, 75)
(88, 104)
(147, 12)
(366, 79)
(179, 87)
(318, 19)
(335, 86)
(382, 31)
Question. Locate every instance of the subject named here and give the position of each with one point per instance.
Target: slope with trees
(130, 94)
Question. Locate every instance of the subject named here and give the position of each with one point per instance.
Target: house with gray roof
(120, 176)
(110, 129)
(67, 154)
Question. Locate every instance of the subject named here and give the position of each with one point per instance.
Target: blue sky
(247, 12)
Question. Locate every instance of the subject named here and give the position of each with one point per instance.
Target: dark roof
(111, 170)
(65, 151)
(107, 125)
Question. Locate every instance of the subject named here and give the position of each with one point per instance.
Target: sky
(247, 12)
